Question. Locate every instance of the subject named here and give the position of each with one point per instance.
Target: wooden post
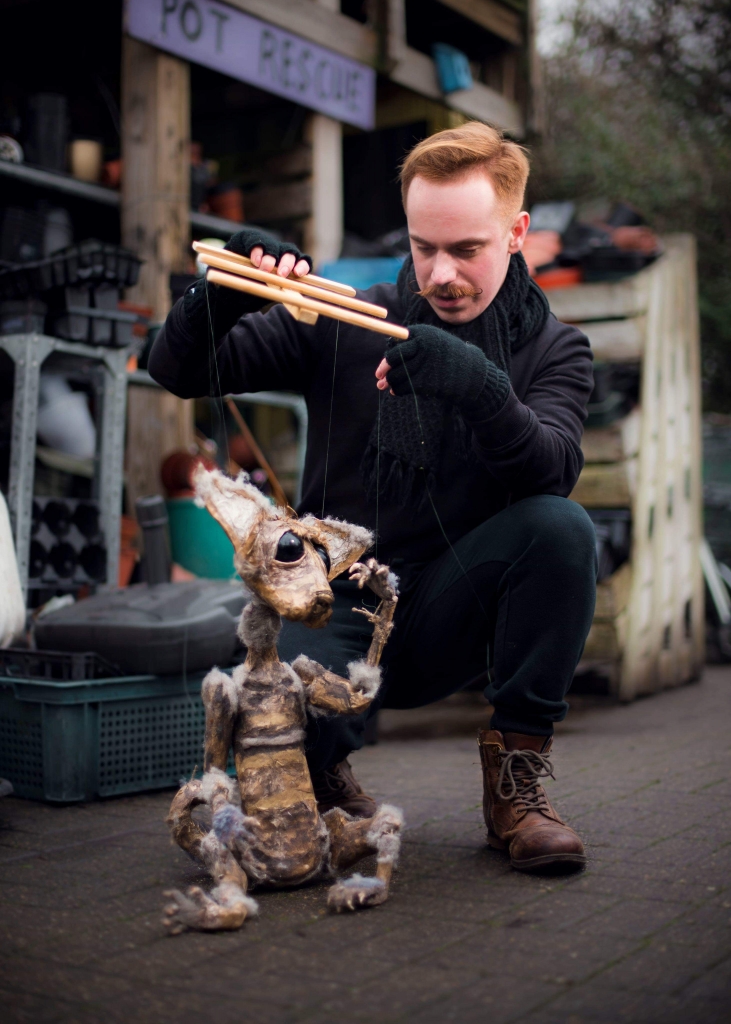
(324, 228)
(155, 225)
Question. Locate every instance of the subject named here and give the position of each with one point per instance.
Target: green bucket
(198, 542)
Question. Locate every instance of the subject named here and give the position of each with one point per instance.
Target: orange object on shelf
(227, 201)
(140, 329)
(561, 277)
(128, 551)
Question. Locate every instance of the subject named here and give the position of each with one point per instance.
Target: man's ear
(518, 232)
(236, 504)
(344, 542)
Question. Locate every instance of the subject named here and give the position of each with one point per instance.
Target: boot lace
(519, 778)
(336, 782)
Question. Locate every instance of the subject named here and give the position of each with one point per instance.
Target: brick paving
(643, 935)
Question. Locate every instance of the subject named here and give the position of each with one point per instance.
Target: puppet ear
(345, 543)
(236, 504)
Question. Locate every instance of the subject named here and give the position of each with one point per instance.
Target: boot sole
(550, 860)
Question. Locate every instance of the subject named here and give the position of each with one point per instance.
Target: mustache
(448, 291)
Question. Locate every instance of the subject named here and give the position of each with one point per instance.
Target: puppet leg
(351, 839)
(227, 906)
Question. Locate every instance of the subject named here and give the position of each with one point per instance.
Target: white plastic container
(12, 605)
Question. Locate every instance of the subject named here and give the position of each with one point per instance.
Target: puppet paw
(355, 892)
(200, 912)
(378, 578)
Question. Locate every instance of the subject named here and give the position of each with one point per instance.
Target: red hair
(455, 152)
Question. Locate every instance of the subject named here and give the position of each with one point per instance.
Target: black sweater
(532, 446)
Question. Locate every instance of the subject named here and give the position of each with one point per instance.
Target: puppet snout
(321, 609)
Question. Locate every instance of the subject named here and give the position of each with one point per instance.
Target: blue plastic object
(453, 68)
(363, 273)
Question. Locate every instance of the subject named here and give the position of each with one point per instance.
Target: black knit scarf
(407, 446)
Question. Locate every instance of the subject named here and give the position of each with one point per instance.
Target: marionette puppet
(266, 829)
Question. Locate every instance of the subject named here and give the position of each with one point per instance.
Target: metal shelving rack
(106, 369)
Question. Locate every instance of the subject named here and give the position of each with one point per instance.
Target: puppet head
(288, 562)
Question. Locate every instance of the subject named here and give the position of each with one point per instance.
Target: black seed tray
(67, 548)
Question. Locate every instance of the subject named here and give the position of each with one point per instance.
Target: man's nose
(443, 269)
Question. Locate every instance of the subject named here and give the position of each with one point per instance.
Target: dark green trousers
(510, 606)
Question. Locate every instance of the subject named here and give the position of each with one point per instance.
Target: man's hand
(268, 254)
(434, 363)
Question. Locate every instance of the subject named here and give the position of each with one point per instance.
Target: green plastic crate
(70, 741)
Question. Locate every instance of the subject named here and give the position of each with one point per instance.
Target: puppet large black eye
(290, 548)
(322, 552)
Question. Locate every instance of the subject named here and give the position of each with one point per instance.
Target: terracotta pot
(176, 472)
(227, 201)
(112, 174)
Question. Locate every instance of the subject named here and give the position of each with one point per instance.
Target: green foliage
(639, 108)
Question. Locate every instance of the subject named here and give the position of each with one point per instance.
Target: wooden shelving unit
(648, 630)
(64, 183)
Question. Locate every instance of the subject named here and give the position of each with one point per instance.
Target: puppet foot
(356, 892)
(225, 909)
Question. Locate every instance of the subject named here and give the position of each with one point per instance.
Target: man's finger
(268, 263)
(382, 369)
(302, 268)
(286, 264)
(256, 254)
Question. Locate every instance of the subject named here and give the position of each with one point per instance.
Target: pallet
(648, 630)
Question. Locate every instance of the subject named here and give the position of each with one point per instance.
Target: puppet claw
(200, 912)
(379, 579)
(356, 892)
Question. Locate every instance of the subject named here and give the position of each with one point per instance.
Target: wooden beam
(616, 341)
(156, 178)
(155, 225)
(416, 71)
(315, 22)
(606, 485)
(496, 18)
(618, 441)
(605, 301)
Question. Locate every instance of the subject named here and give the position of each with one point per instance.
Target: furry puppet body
(266, 827)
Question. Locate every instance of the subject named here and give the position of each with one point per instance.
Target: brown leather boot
(338, 787)
(518, 814)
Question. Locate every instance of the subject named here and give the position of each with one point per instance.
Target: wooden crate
(648, 630)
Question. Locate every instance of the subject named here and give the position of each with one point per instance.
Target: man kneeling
(459, 455)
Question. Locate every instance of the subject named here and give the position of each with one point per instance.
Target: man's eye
(322, 552)
(466, 254)
(290, 548)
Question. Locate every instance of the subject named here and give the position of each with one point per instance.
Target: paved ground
(644, 935)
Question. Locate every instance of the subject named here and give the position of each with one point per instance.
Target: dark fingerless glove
(438, 364)
(225, 306)
(249, 238)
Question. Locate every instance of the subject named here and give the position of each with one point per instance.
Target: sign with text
(236, 44)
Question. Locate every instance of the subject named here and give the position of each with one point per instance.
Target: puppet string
(221, 411)
(431, 499)
(330, 419)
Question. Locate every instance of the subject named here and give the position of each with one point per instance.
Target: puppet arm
(327, 691)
